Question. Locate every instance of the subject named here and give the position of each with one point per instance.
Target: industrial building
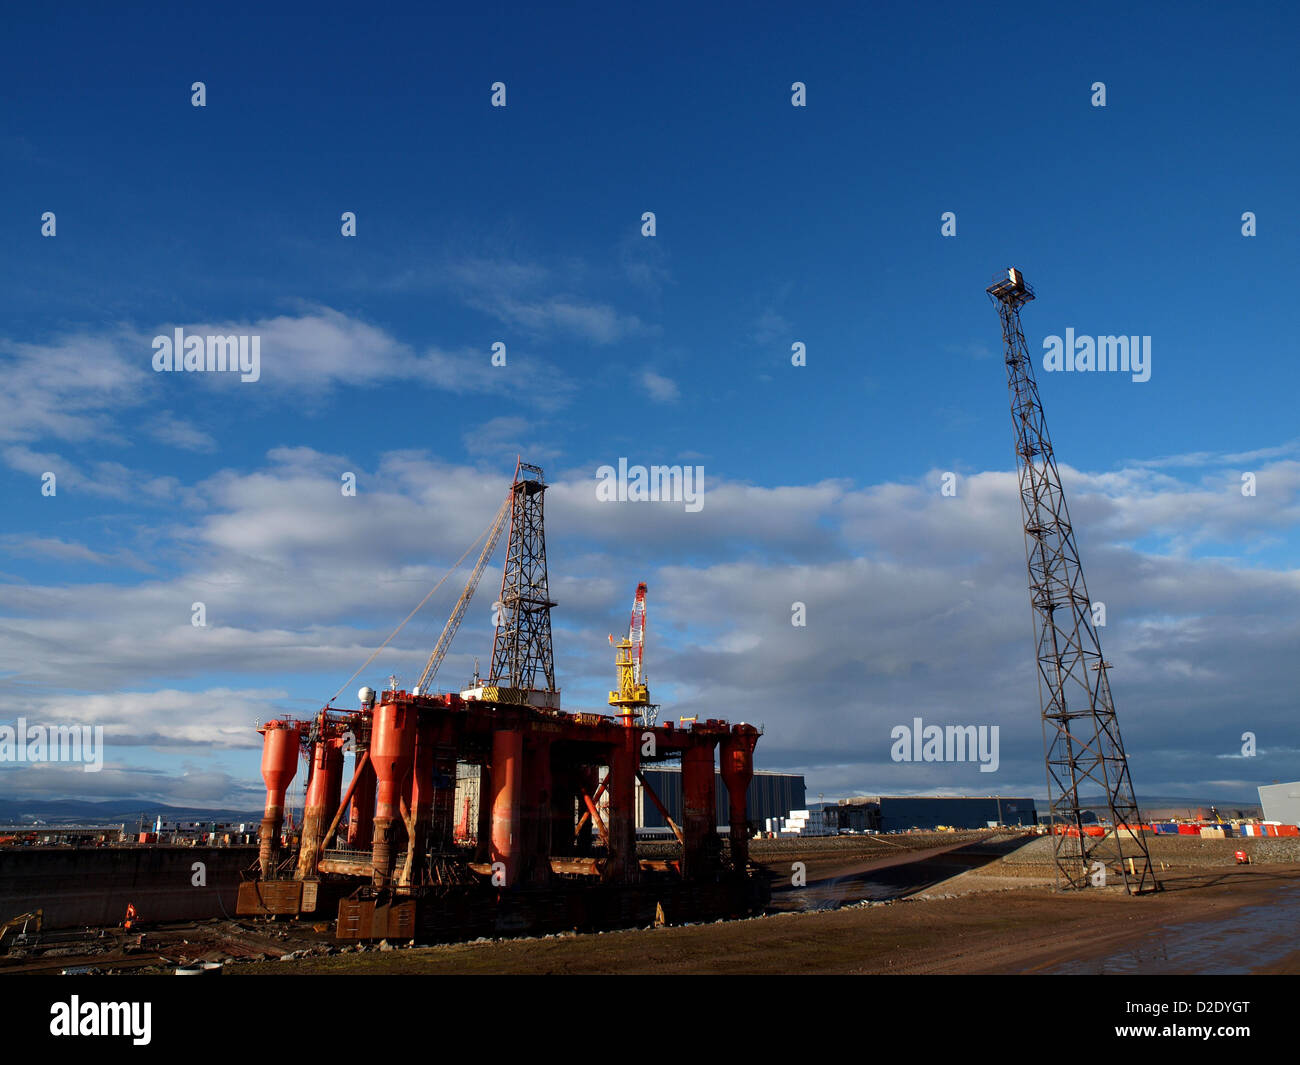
(38, 835)
(769, 795)
(1281, 802)
(900, 813)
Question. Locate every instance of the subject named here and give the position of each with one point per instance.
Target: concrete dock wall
(92, 885)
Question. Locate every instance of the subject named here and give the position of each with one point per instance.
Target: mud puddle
(1242, 942)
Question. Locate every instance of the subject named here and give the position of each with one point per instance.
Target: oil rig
(384, 857)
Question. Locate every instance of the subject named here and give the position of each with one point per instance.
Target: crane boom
(636, 632)
(632, 697)
(462, 604)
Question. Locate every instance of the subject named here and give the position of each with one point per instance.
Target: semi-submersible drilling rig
(384, 853)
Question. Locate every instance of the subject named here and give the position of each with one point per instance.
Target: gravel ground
(1030, 930)
(760, 849)
(1182, 851)
(837, 848)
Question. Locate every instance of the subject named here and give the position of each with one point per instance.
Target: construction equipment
(462, 604)
(14, 932)
(1080, 730)
(632, 697)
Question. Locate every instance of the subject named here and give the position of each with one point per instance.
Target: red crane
(632, 697)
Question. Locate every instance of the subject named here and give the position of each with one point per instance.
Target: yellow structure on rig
(632, 697)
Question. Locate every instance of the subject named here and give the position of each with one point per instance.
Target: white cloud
(100, 391)
(661, 389)
(526, 296)
(771, 327)
(166, 428)
(65, 551)
(164, 718)
(109, 479)
(72, 388)
(916, 605)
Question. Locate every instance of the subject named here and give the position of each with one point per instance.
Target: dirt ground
(1013, 930)
(947, 906)
(976, 902)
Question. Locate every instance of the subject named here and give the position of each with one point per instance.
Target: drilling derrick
(521, 652)
(1080, 731)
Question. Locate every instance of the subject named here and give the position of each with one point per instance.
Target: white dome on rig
(366, 695)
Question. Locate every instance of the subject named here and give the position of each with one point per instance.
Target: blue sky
(522, 224)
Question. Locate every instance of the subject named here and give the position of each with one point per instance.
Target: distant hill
(128, 812)
(112, 812)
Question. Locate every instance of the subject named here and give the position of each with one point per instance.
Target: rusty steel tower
(521, 652)
(1080, 731)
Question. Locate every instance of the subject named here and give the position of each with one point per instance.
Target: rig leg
(361, 824)
(507, 786)
(622, 866)
(392, 752)
(420, 805)
(279, 764)
(322, 801)
(737, 758)
(699, 802)
(538, 782)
